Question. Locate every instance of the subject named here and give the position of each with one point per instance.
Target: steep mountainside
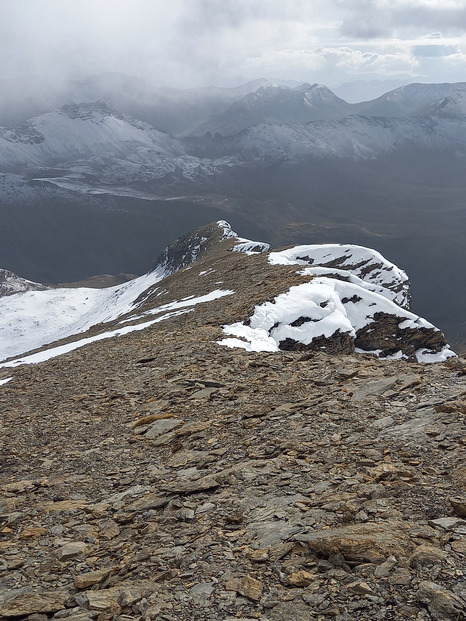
(277, 104)
(85, 180)
(350, 299)
(408, 100)
(11, 283)
(161, 474)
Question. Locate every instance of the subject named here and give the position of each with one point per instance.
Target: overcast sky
(226, 42)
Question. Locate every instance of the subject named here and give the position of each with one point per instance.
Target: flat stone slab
(362, 543)
(160, 427)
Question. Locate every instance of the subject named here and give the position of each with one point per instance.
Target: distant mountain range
(111, 169)
(96, 143)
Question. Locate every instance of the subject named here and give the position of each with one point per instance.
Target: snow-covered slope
(451, 107)
(277, 104)
(352, 298)
(37, 316)
(79, 132)
(354, 137)
(408, 100)
(359, 304)
(91, 141)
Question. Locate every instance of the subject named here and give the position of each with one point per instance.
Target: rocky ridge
(10, 284)
(158, 475)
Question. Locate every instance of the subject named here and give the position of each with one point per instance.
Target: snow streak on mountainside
(38, 317)
(353, 306)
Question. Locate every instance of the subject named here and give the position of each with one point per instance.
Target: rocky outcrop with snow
(355, 300)
(348, 299)
(10, 284)
(360, 266)
(201, 240)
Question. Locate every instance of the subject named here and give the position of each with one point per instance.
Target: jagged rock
(301, 578)
(201, 593)
(11, 284)
(84, 581)
(442, 604)
(109, 529)
(384, 334)
(459, 506)
(361, 588)
(383, 570)
(247, 586)
(73, 550)
(448, 523)
(427, 555)
(189, 487)
(26, 602)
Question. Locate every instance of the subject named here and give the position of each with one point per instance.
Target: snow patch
(53, 352)
(243, 245)
(176, 308)
(322, 308)
(35, 318)
(360, 265)
(186, 302)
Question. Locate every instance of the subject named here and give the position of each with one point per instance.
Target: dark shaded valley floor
(411, 209)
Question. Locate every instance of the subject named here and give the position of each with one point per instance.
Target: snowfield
(350, 289)
(36, 318)
(52, 352)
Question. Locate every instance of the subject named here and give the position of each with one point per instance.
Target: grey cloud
(369, 19)
(450, 20)
(195, 42)
(434, 51)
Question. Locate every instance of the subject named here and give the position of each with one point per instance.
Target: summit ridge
(160, 475)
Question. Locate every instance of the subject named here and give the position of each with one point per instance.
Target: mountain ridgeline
(335, 298)
(111, 169)
(239, 433)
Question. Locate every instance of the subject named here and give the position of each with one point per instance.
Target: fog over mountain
(97, 187)
(232, 310)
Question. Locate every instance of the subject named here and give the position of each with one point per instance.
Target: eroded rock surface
(159, 475)
(297, 486)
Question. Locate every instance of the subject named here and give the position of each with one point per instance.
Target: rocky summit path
(161, 476)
